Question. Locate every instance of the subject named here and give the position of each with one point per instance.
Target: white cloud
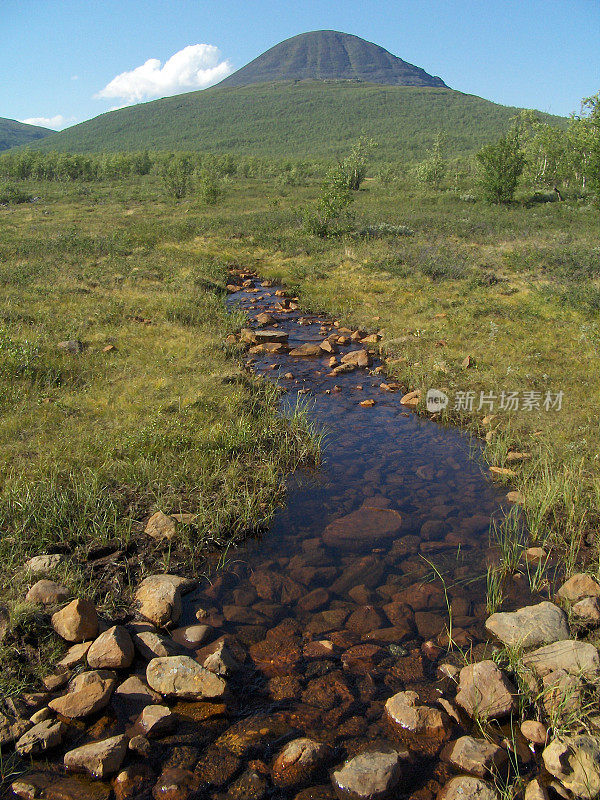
(197, 66)
(57, 123)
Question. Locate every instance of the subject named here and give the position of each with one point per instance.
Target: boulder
(576, 658)
(575, 762)
(475, 756)
(531, 626)
(77, 621)
(467, 788)
(43, 736)
(159, 600)
(181, 676)
(578, 587)
(485, 692)
(372, 775)
(100, 759)
(161, 526)
(297, 763)
(365, 527)
(47, 593)
(113, 649)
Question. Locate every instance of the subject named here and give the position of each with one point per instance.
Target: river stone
(307, 350)
(366, 526)
(475, 756)
(192, 636)
(485, 692)
(85, 700)
(531, 626)
(151, 644)
(221, 661)
(578, 587)
(181, 676)
(77, 621)
(467, 788)
(372, 775)
(575, 762)
(47, 593)
(535, 790)
(41, 737)
(534, 731)
(404, 711)
(576, 658)
(159, 600)
(134, 782)
(296, 764)
(134, 694)
(74, 655)
(113, 649)
(278, 337)
(156, 721)
(12, 729)
(161, 526)
(98, 758)
(358, 358)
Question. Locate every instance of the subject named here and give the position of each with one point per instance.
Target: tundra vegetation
(119, 395)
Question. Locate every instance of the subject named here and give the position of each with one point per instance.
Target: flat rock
(475, 756)
(151, 644)
(372, 775)
(221, 661)
(270, 336)
(307, 350)
(405, 712)
(466, 788)
(47, 593)
(578, 587)
(531, 626)
(181, 676)
(77, 621)
(485, 692)
(161, 526)
(366, 527)
(100, 759)
(576, 658)
(43, 736)
(159, 600)
(43, 563)
(357, 358)
(113, 649)
(74, 655)
(575, 762)
(84, 701)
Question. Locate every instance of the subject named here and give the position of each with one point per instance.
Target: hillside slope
(296, 120)
(330, 55)
(13, 133)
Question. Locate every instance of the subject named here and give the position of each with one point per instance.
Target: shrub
(330, 216)
(176, 173)
(10, 194)
(501, 165)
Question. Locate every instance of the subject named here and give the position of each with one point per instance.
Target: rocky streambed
(348, 652)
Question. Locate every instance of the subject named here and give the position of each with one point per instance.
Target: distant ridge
(13, 133)
(330, 55)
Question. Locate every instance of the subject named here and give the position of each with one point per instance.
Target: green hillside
(13, 133)
(296, 120)
(330, 55)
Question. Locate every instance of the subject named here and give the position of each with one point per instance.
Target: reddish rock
(298, 762)
(274, 656)
(100, 759)
(366, 526)
(113, 649)
(313, 601)
(365, 619)
(176, 783)
(133, 782)
(485, 692)
(77, 621)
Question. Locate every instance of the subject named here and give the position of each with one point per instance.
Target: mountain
(330, 55)
(13, 133)
(342, 88)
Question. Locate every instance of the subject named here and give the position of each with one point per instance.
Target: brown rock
(405, 715)
(159, 600)
(156, 721)
(181, 676)
(134, 782)
(485, 692)
(113, 649)
(297, 763)
(47, 593)
(475, 756)
(366, 526)
(100, 759)
(576, 658)
(587, 611)
(77, 621)
(372, 775)
(84, 701)
(534, 731)
(192, 636)
(578, 587)
(161, 526)
(467, 788)
(357, 358)
(43, 736)
(74, 655)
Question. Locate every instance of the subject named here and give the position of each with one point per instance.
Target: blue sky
(68, 60)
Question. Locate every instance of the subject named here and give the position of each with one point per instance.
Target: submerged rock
(372, 775)
(366, 527)
(298, 761)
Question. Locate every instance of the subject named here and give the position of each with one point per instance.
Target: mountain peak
(330, 56)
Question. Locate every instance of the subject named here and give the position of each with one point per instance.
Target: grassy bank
(142, 407)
